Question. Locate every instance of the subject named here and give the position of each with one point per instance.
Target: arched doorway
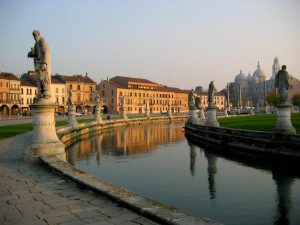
(15, 110)
(61, 110)
(79, 108)
(88, 109)
(104, 109)
(4, 110)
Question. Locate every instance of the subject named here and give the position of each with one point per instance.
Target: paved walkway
(31, 194)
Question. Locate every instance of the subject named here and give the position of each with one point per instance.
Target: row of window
(130, 101)
(78, 87)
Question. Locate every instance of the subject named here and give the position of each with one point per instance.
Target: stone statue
(282, 84)
(191, 100)
(198, 102)
(41, 55)
(211, 93)
(98, 102)
(123, 100)
(70, 102)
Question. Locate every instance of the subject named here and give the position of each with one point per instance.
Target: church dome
(259, 74)
(240, 77)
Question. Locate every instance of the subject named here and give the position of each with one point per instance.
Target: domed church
(252, 90)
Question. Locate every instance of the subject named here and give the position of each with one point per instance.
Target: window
(21, 89)
(56, 99)
(62, 90)
(71, 87)
(63, 100)
(30, 91)
(91, 88)
(78, 87)
(56, 90)
(112, 92)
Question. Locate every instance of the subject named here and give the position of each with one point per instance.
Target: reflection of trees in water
(284, 203)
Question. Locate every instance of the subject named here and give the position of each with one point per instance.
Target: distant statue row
(195, 102)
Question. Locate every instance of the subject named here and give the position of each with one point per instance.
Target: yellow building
(219, 100)
(137, 92)
(28, 93)
(10, 90)
(59, 94)
(84, 91)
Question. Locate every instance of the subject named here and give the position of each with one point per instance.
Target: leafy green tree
(296, 100)
(272, 99)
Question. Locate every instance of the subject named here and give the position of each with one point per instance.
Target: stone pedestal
(44, 140)
(212, 117)
(225, 112)
(147, 114)
(251, 111)
(201, 114)
(283, 124)
(71, 118)
(169, 113)
(123, 113)
(98, 117)
(193, 118)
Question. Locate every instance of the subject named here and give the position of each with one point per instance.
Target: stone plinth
(71, 118)
(251, 111)
(212, 117)
(169, 113)
(44, 140)
(193, 118)
(283, 124)
(225, 112)
(98, 117)
(147, 114)
(201, 114)
(123, 113)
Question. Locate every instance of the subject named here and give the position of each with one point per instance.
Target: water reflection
(163, 157)
(282, 180)
(284, 203)
(125, 141)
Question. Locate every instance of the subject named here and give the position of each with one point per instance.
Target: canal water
(158, 162)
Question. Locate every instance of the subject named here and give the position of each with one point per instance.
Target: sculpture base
(44, 140)
(225, 113)
(71, 118)
(98, 117)
(193, 118)
(212, 117)
(124, 116)
(283, 124)
(201, 114)
(147, 114)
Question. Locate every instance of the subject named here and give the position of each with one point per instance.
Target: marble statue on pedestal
(193, 118)
(211, 109)
(284, 108)
(98, 109)
(44, 140)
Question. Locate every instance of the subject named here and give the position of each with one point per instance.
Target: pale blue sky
(177, 43)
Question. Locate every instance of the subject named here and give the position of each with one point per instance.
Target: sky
(180, 44)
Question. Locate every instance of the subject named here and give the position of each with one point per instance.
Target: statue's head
(283, 67)
(36, 35)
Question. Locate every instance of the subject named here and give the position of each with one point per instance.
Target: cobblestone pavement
(31, 194)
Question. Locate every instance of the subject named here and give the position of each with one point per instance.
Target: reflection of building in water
(284, 183)
(193, 156)
(126, 141)
(140, 139)
(212, 171)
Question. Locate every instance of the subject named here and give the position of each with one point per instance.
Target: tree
(272, 99)
(296, 100)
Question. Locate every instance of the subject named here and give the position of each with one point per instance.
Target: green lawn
(265, 122)
(12, 130)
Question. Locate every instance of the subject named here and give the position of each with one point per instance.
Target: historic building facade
(137, 92)
(219, 100)
(252, 90)
(10, 94)
(84, 91)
